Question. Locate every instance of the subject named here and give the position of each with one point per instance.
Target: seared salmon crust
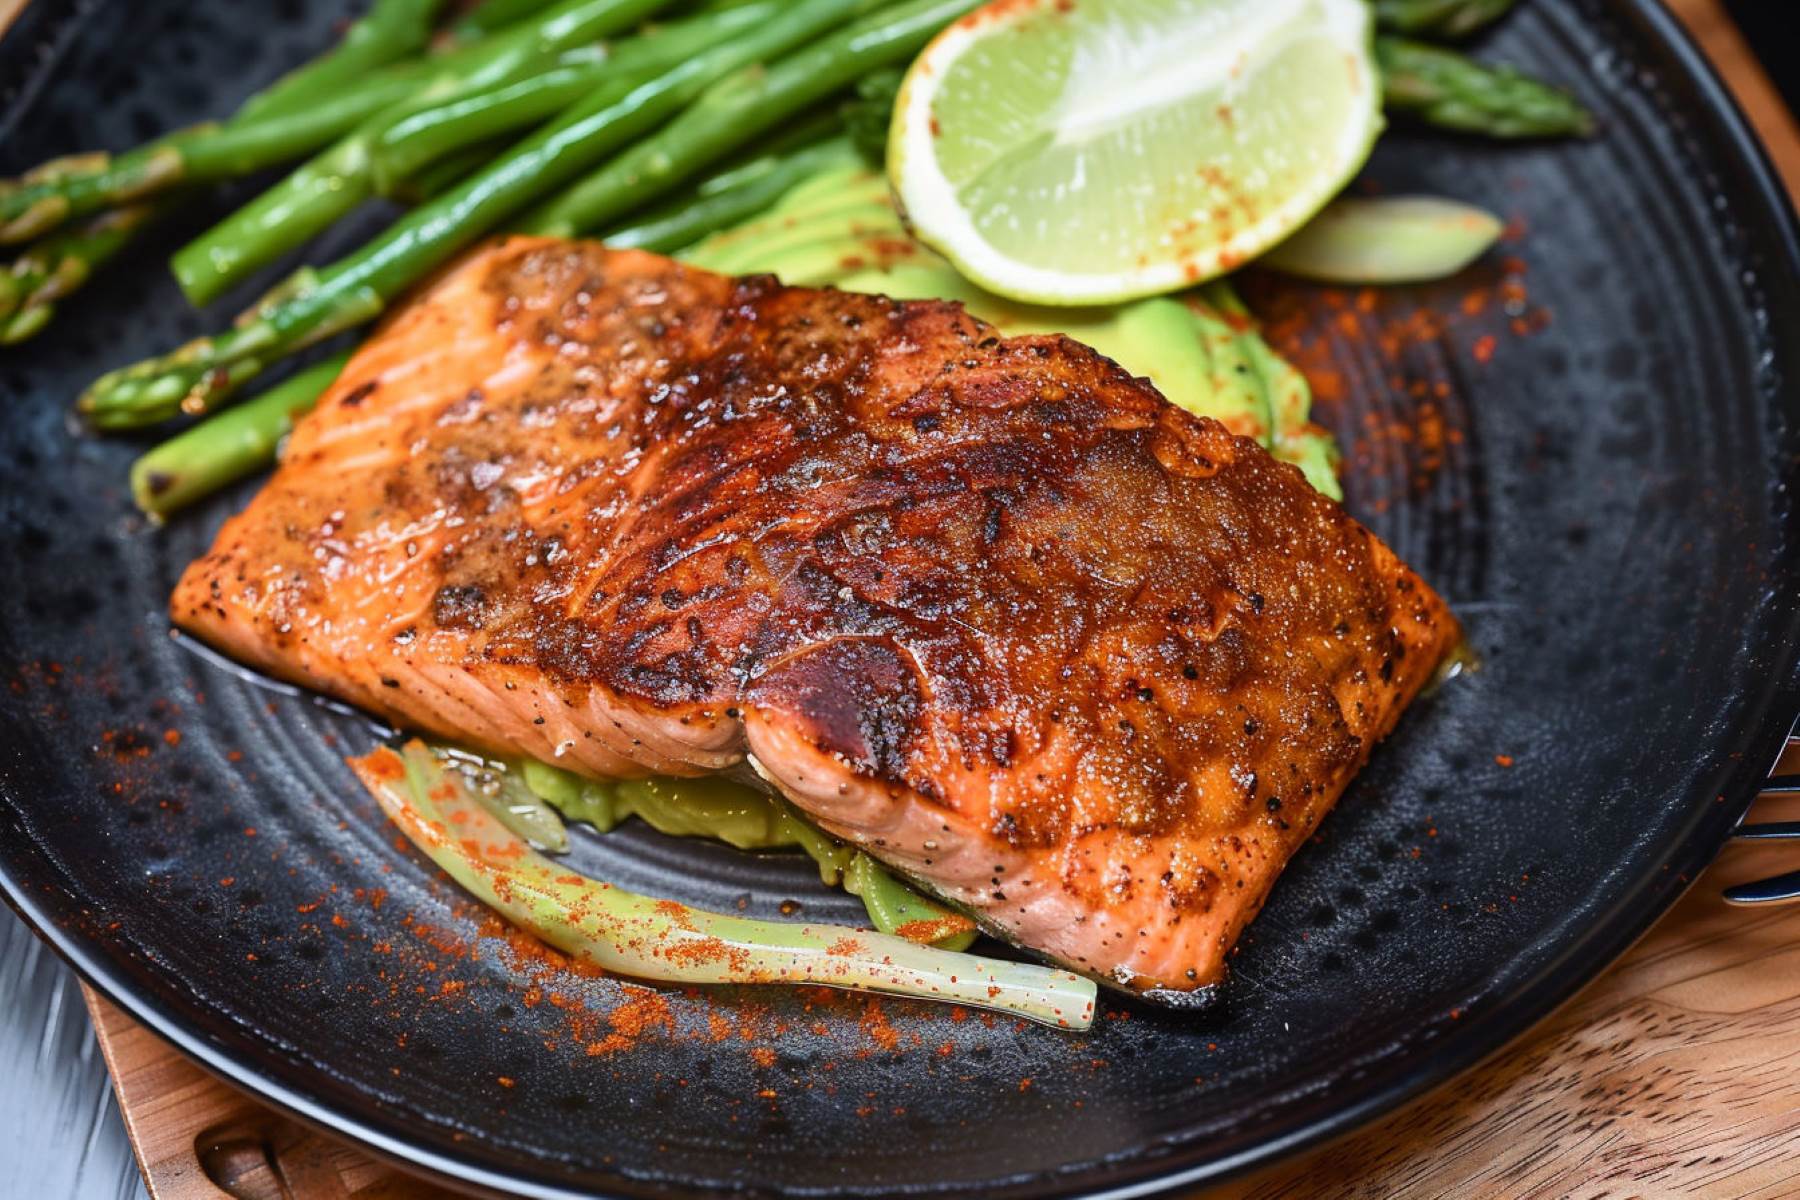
(990, 608)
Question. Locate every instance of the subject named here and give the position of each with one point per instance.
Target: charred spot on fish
(679, 678)
(564, 649)
(1191, 890)
(358, 394)
(857, 698)
(460, 606)
(990, 521)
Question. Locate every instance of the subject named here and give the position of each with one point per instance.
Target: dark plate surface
(1588, 445)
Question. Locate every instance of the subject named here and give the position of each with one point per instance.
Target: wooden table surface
(1675, 1074)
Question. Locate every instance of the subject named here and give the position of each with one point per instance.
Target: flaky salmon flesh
(1083, 664)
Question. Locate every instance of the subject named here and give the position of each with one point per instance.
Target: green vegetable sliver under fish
(528, 796)
(714, 808)
(661, 940)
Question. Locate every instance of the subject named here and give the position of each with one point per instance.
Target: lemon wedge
(1089, 151)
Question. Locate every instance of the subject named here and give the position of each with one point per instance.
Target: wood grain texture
(1677, 1074)
(197, 1139)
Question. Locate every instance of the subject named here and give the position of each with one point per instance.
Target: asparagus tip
(26, 323)
(38, 217)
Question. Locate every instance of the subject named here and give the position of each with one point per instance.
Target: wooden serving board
(1675, 1074)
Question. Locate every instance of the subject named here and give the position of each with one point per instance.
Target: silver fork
(1781, 889)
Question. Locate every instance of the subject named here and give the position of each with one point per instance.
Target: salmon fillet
(1077, 661)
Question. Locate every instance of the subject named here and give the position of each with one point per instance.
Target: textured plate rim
(1548, 987)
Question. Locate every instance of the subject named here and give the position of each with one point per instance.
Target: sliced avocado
(1293, 438)
(829, 185)
(855, 191)
(781, 222)
(850, 225)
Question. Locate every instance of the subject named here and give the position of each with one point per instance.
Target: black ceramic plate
(1604, 493)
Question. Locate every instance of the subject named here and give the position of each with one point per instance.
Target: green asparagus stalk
(730, 197)
(439, 177)
(198, 376)
(1453, 91)
(25, 324)
(333, 183)
(492, 15)
(82, 185)
(1448, 19)
(312, 197)
(52, 268)
(869, 114)
(229, 445)
(224, 449)
(392, 30)
(92, 183)
(740, 107)
(412, 141)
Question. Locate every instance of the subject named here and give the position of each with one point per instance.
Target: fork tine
(1783, 889)
(1769, 830)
